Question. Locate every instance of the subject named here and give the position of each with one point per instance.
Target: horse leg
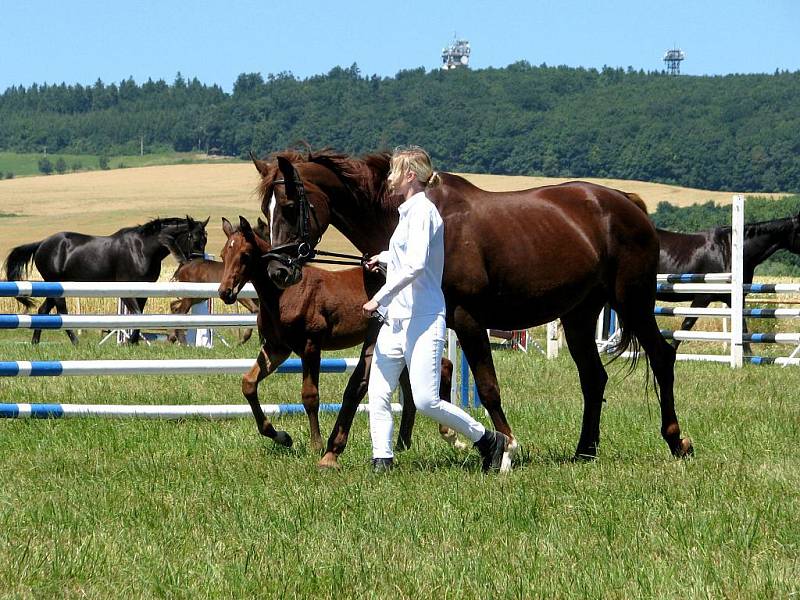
(445, 391)
(251, 306)
(409, 413)
(475, 344)
(44, 309)
(698, 302)
(133, 308)
(579, 328)
(181, 307)
(353, 394)
(266, 362)
(637, 316)
(61, 307)
(311, 366)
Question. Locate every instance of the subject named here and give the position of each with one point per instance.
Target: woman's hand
(370, 307)
(372, 265)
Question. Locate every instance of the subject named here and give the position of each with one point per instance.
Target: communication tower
(456, 55)
(672, 59)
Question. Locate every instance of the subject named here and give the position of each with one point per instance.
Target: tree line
(736, 132)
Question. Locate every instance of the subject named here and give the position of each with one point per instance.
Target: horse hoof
(283, 438)
(581, 457)
(329, 462)
(402, 444)
(685, 449)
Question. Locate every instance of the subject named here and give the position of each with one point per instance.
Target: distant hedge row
(733, 132)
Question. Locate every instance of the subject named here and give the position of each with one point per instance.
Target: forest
(734, 132)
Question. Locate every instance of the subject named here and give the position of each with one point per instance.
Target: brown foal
(322, 312)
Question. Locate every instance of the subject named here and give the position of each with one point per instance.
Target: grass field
(101, 509)
(107, 509)
(25, 165)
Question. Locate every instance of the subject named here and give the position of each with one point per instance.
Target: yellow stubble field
(100, 202)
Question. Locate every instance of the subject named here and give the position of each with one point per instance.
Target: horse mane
(365, 177)
(157, 225)
(758, 228)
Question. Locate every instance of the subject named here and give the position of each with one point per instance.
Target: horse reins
(307, 248)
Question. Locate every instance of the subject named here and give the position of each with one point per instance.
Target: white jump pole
(737, 280)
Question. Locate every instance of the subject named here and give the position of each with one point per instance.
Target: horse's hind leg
(266, 363)
(579, 329)
(409, 413)
(638, 317)
(310, 393)
(445, 392)
(45, 308)
(61, 307)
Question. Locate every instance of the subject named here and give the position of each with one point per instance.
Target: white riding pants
(417, 343)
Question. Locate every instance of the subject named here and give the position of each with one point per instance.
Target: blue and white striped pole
(49, 368)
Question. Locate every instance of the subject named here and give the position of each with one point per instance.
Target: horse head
(240, 258)
(295, 196)
(186, 239)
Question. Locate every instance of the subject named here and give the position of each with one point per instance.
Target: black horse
(710, 252)
(131, 254)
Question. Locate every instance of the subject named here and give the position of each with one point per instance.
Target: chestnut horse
(513, 260)
(321, 312)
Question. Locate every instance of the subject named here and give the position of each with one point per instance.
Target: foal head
(241, 257)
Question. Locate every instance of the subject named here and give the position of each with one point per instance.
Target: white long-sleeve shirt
(415, 262)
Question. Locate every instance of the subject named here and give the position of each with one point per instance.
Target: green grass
(103, 508)
(22, 165)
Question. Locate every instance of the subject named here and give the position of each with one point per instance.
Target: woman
(412, 303)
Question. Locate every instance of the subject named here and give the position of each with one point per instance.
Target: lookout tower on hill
(456, 55)
(672, 60)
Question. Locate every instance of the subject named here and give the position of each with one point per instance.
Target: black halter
(305, 250)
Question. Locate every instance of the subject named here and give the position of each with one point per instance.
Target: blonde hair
(416, 160)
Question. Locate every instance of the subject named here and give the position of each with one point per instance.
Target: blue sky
(77, 42)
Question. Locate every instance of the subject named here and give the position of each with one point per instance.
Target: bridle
(296, 254)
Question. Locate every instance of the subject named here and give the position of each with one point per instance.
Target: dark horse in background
(131, 254)
(513, 260)
(710, 252)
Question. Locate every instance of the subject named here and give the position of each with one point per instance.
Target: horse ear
(206, 221)
(227, 227)
(289, 175)
(262, 166)
(244, 225)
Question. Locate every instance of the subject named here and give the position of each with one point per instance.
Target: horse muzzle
(227, 295)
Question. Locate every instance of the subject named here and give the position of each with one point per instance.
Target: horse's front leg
(445, 392)
(44, 309)
(475, 344)
(266, 362)
(253, 308)
(181, 307)
(353, 394)
(311, 365)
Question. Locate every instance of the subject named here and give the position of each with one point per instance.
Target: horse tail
(637, 200)
(16, 266)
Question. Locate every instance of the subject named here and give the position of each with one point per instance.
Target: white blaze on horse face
(272, 203)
